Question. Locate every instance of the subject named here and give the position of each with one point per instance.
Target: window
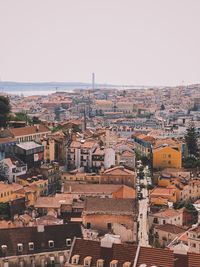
(87, 261)
(155, 220)
(127, 264)
(31, 246)
(51, 244)
(88, 225)
(100, 263)
(109, 226)
(113, 263)
(169, 162)
(68, 242)
(164, 221)
(194, 245)
(75, 259)
(20, 247)
(4, 249)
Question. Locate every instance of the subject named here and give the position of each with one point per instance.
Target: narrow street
(143, 230)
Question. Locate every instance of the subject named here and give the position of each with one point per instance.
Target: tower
(93, 81)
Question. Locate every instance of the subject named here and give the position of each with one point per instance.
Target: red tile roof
(122, 253)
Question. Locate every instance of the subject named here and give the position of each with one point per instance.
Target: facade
(80, 153)
(5, 144)
(194, 240)
(118, 175)
(105, 214)
(167, 216)
(30, 153)
(14, 168)
(166, 233)
(167, 157)
(49, 149)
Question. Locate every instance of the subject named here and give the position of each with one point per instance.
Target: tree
(192, 211)
(22, 116)
(191, 140)
(4, 110)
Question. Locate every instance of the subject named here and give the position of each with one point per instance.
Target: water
(27, 89)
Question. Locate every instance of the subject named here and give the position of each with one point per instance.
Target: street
(143, 230)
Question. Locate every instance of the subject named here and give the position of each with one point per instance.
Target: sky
(137, 42)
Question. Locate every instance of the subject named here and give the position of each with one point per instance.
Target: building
(109, 254)
(5, 144)
(30, 153)
(194, 239)
(167, 216)
(167, 155)
(118, 175)
(80, 153)
(162, 195)
(25, 134)
(166, 233)
(13, 168)
(107, 214)
(78, 190)
(37, 246)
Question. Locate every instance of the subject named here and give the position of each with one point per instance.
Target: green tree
(4, 110)
(192, 211)
(191, 140)
(22, 116)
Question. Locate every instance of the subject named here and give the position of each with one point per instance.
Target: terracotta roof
(99, 151)
(110, 206)
(88, 144)
(168, 213)
(170, 228)
(75, 144)
(91, 188)
(15, 132)
(162, 191)
(193, 260)
(119, 170)
(122, 253)
(51, 202)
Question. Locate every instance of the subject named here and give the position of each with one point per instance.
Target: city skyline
(132, 42)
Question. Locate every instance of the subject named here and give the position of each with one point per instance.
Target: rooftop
(110, 206)
(29, 145)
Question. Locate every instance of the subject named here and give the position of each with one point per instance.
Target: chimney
(40, 228)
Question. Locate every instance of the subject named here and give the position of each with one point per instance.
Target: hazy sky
(141, 42)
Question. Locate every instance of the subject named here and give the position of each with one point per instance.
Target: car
(138, 188)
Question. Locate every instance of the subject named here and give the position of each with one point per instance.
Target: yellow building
(162, 195)
(6, 192)
(167, 157)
